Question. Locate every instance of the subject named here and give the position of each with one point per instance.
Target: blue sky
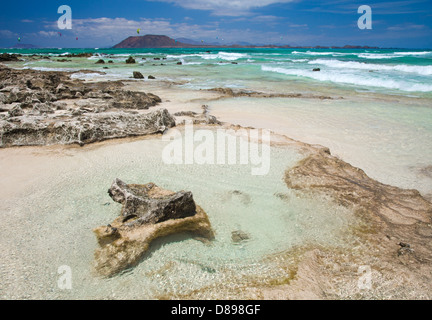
(403, 24)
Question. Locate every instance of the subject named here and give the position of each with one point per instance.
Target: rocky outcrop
(351, 186)
(138, 75)
(391, 235)
(81, 128)
(230, 93)
(204, 118)
(6, 57)
(130, 60)
(41, 108)
(148, 213)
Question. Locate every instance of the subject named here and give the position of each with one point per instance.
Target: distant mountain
(151, 41)
(160, 41)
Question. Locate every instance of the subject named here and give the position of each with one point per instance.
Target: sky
(395, 24)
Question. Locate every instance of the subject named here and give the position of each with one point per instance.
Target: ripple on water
(52, 226)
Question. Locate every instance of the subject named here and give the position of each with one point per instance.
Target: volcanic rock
(138, 75)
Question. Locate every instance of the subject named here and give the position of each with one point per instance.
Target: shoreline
(379, 234)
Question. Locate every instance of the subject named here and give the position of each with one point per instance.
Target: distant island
(161, 41)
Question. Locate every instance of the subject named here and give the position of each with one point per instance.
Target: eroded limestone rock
(43, 108)
(351, 186)
(148, 213)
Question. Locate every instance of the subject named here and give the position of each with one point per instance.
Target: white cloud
(48, 34)
(8, 34)
(105, 31)
(407, 26)
(225, 7)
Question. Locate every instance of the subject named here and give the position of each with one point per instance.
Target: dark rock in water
(239, 236)
(156, 58)
(316, 69)
(151, 77)
(148, 213)
(130, 60)
(6, 57)
(179, 63)
(100, 61)
(110, 61)
(138, 75)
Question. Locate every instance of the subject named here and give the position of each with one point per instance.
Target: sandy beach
(343, 213)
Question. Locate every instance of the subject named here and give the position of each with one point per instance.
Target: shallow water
(49, 224)
(390, 140)
(383, 126)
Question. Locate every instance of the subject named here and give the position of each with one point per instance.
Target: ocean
(397, 71)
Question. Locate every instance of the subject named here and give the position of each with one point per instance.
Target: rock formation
(42, 108)
(204, 118)
(350, 186)
(148, 212)
(230, 93)
(130, 60)
(6, 57)
(138, 75)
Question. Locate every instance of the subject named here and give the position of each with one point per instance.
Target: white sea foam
(353, 79)
(413, 53)
(376, 56)
(49, 69)
(230, 56)
(313, 53)
(421, 70)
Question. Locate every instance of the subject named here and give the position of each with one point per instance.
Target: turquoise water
(49, 224)
(383, 125)
(396, 70)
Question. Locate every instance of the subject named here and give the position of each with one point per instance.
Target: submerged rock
(130, 60)
(239, 236)
(351, 187)
(148, 212)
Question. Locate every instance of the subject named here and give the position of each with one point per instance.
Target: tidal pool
(54, 196)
